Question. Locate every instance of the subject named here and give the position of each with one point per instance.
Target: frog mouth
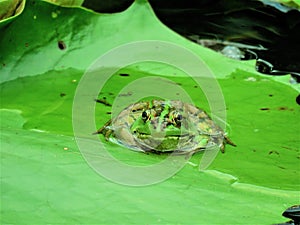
(162, 136)
(162, 142)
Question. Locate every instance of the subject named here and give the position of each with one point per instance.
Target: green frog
(164, 126)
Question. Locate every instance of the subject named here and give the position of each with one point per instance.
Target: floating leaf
(45, 179)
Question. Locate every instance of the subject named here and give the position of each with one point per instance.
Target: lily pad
(45, 179)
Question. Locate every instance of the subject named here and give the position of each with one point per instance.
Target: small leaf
(10, 9)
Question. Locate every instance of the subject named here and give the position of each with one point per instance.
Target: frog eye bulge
(177, 118)
(145, 115)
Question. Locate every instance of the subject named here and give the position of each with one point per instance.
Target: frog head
(161, 127)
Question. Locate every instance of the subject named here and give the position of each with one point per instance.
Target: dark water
(272, 26)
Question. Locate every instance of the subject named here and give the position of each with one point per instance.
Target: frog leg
(222, 147)
(104, 130)
(107, 134)
(228, 141)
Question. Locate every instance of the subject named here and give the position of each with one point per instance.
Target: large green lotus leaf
(44, 178)
(27, 48)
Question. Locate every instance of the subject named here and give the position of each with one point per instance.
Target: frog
(164, 126)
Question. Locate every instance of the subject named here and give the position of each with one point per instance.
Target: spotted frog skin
(164, 126)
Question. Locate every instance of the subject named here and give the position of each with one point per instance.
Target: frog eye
(177, 118)
(145, 115)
